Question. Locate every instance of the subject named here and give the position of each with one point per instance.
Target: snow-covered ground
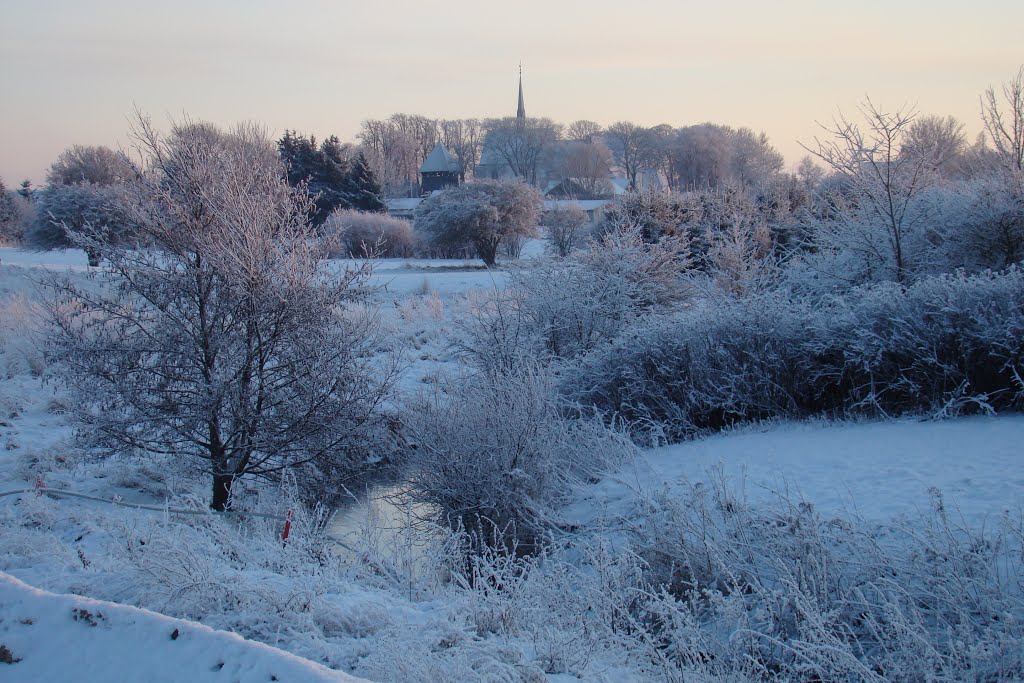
(370, 614)
(876, 470)
(67, 637)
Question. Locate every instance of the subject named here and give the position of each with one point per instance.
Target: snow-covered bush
(948, 344)
(63, 211)
(21, 338)
(561, 308)
(494, 335)
(990, 229)
(696, 584)
(498, 458)
(360, 234)
(741, 259)
(653, 213)
(577, 303)
(563, 228)
(16, 214)
(776, 590)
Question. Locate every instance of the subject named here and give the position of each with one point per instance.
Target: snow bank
(67, 637)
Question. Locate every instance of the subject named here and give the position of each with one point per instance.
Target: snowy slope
(67, 637)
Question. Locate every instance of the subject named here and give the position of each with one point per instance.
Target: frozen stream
(390, 535)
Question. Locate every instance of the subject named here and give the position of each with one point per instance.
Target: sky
(74, 71)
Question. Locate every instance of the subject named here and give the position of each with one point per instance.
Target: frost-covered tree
(709, 155)
(988, 217)
(563, 228)
(1004, 121)
(64, 211)
(224, 341)
(94, 165)
(482, 214)
(585, 169)
(879, 221)
(631, 145)
(522, 144)
(940, 140)
(583, 131)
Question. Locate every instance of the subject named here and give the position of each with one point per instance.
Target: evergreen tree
(26, 189)
(8, 216)
(7, 210)
(323, 169)
(364, 190)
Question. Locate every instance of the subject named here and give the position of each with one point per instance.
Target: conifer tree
(364, 190)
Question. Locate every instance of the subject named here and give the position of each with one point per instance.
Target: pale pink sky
(71, 71)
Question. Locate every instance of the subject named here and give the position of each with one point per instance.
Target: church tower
(521, 111)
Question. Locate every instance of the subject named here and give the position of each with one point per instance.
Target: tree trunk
(488, 252)
(221, 491)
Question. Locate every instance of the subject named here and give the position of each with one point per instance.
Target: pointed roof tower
(521, 111)
(440, 160)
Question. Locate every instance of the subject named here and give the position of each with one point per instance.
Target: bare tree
(464, 139)
(225, 340)
(709, 155)
(662, 152)
(879, 214)
(583, 131)
(522, 144)
(587, 166)
(755, 162)
(630, 145)
(1004, 121)
(703, 156)
(938, 139)
(396, 152)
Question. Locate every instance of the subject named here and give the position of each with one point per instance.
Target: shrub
(21, 337)
(361, 234)
(573, 305)
(563, 228)
(498, 459)
(948, 344)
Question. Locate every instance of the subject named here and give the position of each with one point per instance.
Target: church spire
(521, 111)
